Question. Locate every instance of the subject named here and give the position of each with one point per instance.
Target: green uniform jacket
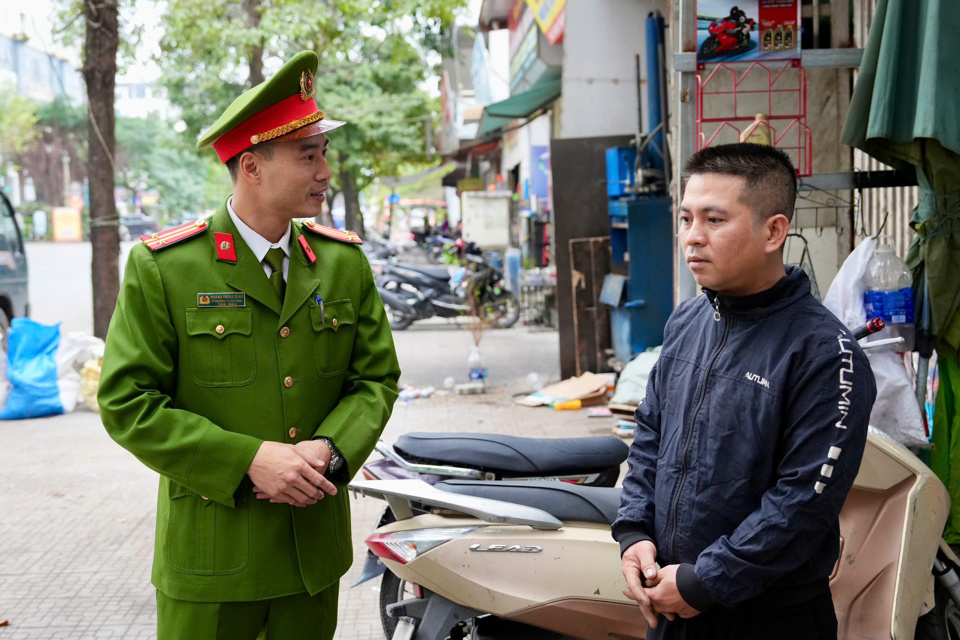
(192, 391)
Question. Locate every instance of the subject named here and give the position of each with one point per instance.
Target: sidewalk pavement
(77, 512)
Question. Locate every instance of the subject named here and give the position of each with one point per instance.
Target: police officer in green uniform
(250, 363)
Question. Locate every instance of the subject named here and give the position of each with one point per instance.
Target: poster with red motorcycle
(749, 30)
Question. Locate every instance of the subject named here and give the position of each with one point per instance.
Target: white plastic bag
(896, 411)
(75, 350)
(845, 297)
(632, 385)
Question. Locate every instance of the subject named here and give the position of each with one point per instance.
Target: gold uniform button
(285, 332)
(293, 432)
(335, 323)
(220, 329)
(288, 382)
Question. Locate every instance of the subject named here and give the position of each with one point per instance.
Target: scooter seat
(564, 501)
(439, 273)
(512, 455)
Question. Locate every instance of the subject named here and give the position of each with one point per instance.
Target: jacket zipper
(688, 436)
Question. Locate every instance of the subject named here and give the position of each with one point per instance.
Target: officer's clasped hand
(281, 474)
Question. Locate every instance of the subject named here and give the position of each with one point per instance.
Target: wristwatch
(336, 460)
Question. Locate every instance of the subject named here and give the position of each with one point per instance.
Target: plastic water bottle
(473, 362)
(889, 295)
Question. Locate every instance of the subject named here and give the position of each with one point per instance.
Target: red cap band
(283, 113)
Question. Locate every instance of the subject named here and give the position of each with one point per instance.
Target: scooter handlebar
(871, 326)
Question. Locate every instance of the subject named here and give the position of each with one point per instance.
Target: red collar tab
(307, 250)
(336, 234)
(226, 249)
(274, 121)
(164, 239)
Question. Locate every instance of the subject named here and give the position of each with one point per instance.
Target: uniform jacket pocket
(203, 537)
(334, 327)
(220, 346)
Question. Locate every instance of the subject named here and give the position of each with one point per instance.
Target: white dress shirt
(260, 245)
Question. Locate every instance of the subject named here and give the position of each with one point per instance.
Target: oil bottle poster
(748, 30)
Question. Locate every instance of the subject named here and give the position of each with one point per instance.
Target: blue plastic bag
(32, 370)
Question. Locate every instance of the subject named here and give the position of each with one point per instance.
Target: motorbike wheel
(392, 591)
(943, 623)
(509, 310)
(398, 321)
(709, 48)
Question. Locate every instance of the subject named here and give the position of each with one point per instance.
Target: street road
(77, 512)
(61, 291)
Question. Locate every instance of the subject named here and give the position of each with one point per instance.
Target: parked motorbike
(536, 560)
(413, 292)
(435, 457)
(728, 36)
(379, 248)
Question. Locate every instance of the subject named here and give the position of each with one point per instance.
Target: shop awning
(499, 114)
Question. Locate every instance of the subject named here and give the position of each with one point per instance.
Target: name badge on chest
(221, 299)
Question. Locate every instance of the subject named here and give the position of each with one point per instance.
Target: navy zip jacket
(747, 442)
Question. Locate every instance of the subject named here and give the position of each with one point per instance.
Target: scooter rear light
(406, 546)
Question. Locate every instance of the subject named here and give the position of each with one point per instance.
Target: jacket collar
(788, 290)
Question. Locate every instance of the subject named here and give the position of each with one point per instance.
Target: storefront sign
(551, 15)
(735, 30)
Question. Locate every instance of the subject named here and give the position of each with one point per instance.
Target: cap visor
(313, 129)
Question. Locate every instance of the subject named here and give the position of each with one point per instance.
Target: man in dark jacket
(752, 428)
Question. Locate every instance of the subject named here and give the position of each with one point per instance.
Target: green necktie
(274, 259)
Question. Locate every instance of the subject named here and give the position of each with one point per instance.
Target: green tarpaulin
(905, 112)
(499, 114)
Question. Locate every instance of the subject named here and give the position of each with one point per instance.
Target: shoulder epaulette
(336, 234)
(164, 239)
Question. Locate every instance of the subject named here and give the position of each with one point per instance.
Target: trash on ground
(90, 382)
(43, 367)
(588, 388)
(599, 412)
(567, 405)
(470, 388)
(632, 385)
(409, 393)
(534, 382)
(624, 428)
(621, 410)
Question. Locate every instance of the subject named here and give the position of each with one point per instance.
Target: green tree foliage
(18, 117)
(65, 120)
(375, 56)
(151, 156)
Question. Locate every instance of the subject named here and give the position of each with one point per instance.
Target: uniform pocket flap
(332, 314)
(177, 491)
(219, 323)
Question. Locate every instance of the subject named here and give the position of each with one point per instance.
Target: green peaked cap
(284, 84)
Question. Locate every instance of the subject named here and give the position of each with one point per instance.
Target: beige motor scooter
(536, 560)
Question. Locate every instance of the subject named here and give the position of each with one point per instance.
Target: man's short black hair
(265, 149)
(771, 181)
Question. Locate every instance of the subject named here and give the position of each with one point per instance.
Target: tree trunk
(351, 204)
(99, 72)
(256, 50)
(326, 218)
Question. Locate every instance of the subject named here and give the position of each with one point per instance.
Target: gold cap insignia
(306, 86)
